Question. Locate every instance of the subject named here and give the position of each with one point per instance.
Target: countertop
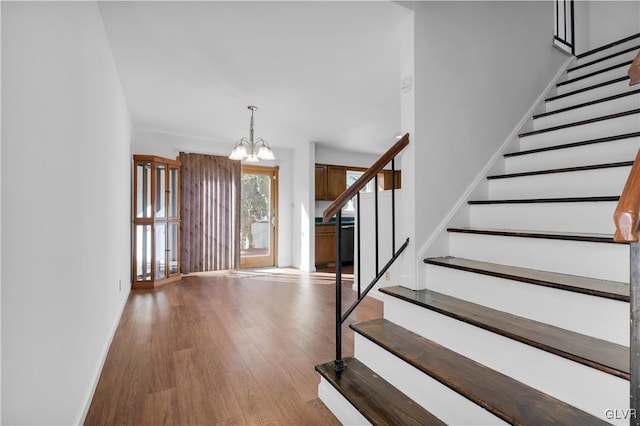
(345, 221)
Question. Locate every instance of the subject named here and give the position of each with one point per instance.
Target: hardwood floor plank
(220, 349)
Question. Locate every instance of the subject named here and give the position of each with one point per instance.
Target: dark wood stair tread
(581, 123)
(566, 236)
(604, 58)
(592, 286)
(375, 398)
(586, 104)
(597, 199)
(563, 170)
(600, 354)
(608, 46)
(574, 144)
(509, 399)
(591, 74)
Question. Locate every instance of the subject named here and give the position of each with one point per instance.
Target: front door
(258, 221)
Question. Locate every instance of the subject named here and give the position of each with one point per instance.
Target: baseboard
(96, 379)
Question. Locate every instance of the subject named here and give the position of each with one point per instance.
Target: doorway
(258, 216)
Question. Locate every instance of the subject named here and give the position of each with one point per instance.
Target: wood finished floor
(220, 349)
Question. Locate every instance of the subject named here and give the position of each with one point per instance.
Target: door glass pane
(143, 193)
(173, 192)
(161, 253)
(173, 248)
(143, 252)
(160, 190)
(255, 221)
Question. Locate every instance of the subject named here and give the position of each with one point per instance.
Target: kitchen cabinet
(336, 181)
(331, 181)
(387, 179)
(321, 182)
(325, 244)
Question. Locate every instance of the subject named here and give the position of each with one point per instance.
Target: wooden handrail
(362, 181)
(634, 71)
(628, 209)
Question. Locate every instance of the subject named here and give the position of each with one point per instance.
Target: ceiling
(326, 72)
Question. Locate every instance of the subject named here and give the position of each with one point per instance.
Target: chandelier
(252, 150)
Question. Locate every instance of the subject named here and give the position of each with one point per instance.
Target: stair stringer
(437, 243)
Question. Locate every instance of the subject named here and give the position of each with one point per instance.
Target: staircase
(526, 319)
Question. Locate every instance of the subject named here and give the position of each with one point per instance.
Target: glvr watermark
(620, 413)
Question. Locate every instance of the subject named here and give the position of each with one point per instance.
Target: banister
(362, 181)
(628, 209)
(634, 71)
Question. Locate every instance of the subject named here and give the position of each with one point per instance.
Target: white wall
(342, 157)
(478, 68)
(303, 229)
(607, 21)
(169, 145)
(66, 161)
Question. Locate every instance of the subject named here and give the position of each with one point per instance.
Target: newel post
(634, 347)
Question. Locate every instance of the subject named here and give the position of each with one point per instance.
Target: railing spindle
(376, 223)
(565, 38)
(336, 209)
(634, 360)
(339, 363)
(393, 205)
(358, 241)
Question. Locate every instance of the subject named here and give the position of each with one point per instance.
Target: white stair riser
(606, 52)
(585, 183)
(346, 413)
(625, 103)
(599, 129)
(589, 95)
(594, 316)
(599, 153)
(583, 387)
(594, 79)
(597, 260)
(560, 217)
(618, 59)
(444, 403)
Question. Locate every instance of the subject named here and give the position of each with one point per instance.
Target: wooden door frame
(273, 171)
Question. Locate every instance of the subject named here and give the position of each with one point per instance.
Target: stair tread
(604, 58)
(586, 89)
(609, 198)
(375, 398)
(615, 290)
(551, 235)
(574, 144)
(608, 46)
(563, 170)
(494, 391)
(586, 104)
(580, 123)
(591, 74)
(602, 355)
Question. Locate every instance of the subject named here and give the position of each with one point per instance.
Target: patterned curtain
(210, 212)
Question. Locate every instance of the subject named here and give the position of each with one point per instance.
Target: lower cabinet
(325, 244)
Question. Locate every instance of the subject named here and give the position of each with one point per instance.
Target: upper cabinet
(387, 179)
(331, 180)
(336, 181)
(321, 182)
